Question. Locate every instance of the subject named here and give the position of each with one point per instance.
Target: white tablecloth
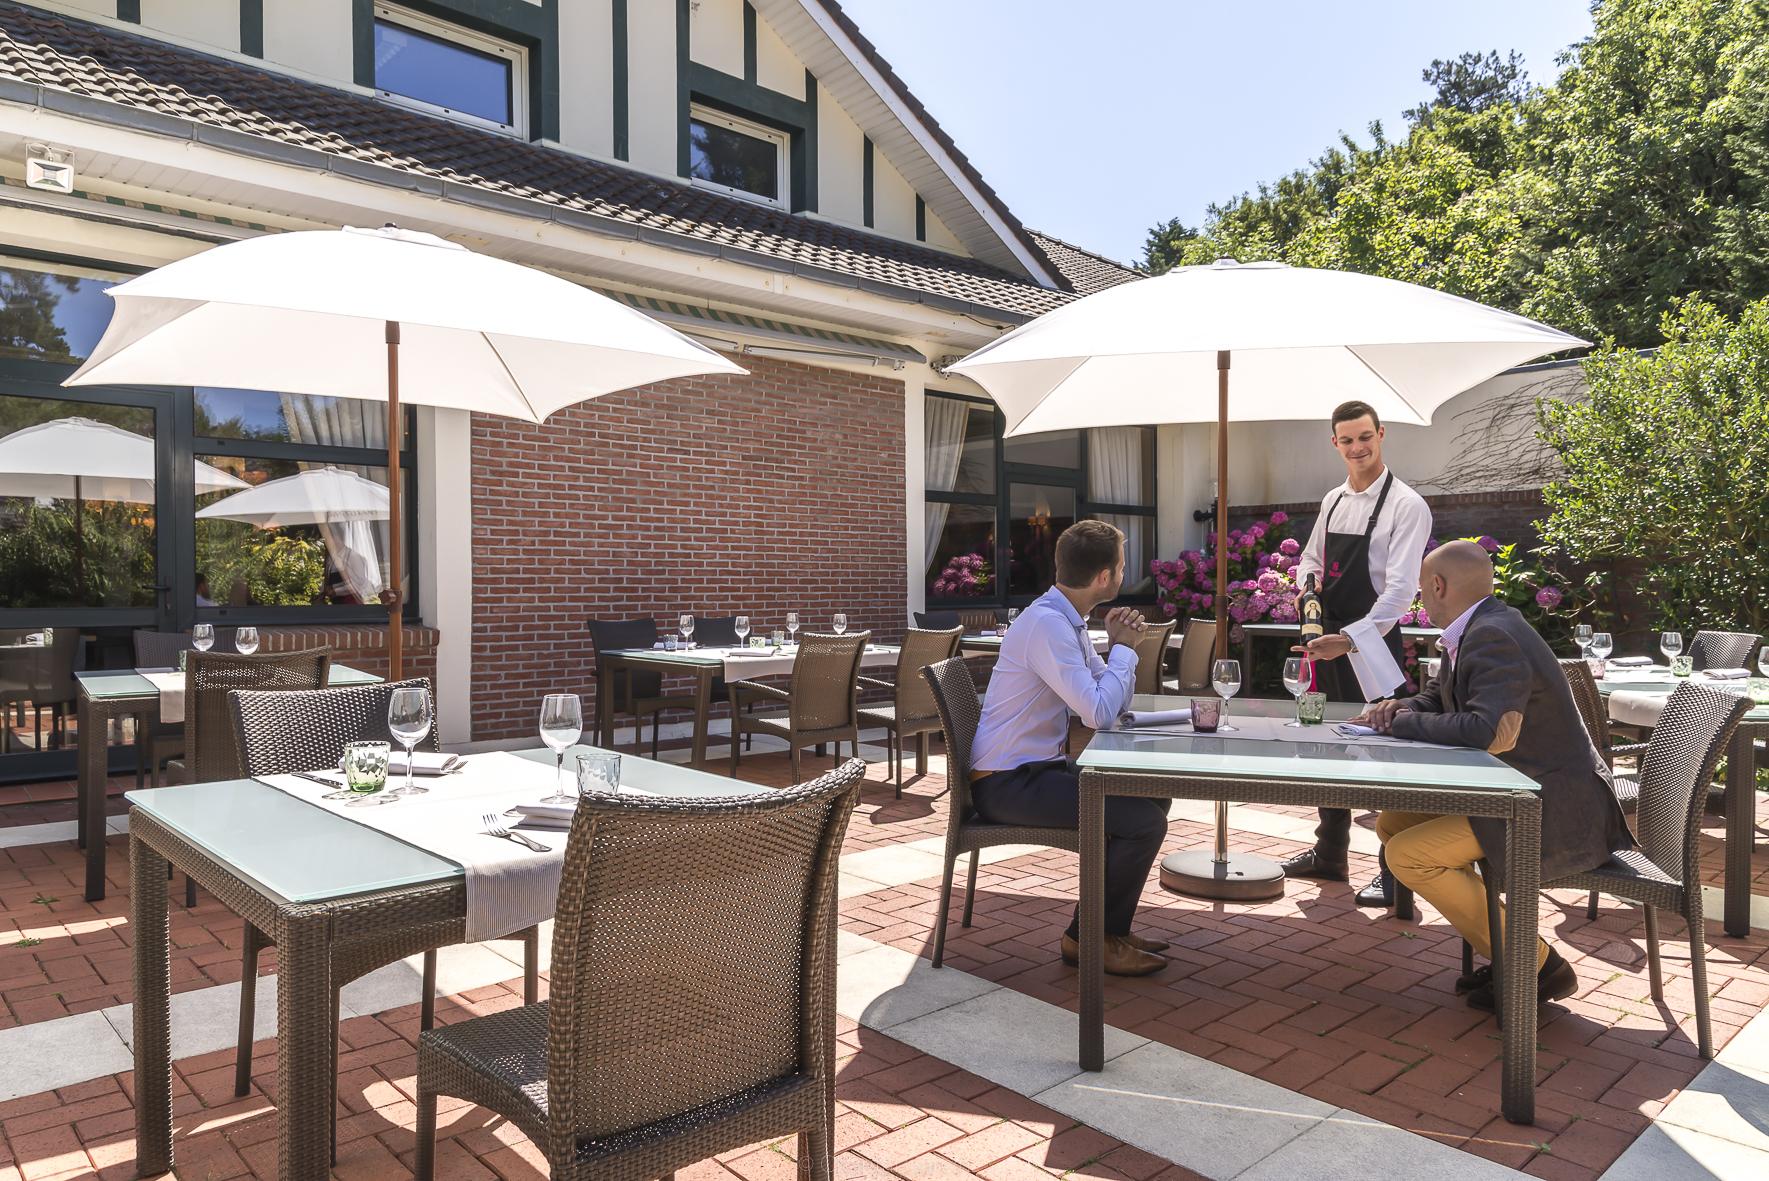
(768, 663)
(171, 689)
(509, 887)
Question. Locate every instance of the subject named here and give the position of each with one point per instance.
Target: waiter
(1364, 552)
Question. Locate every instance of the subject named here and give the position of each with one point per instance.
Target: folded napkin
(1726, 674)
(424, 762)
(1636, 709)
(1353, 730)
(550, 816)
(752, 652)
(1631, 662)
(1136, 719)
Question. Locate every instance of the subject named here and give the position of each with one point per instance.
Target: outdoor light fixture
(48, 168)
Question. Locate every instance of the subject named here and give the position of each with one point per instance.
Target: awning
(785, 339)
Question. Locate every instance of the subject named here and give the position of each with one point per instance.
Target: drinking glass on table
(1581, 636)
(598, 772)
(245, 641)
(1763, 660)
(408, 719)
(792, 627)
(742, 629)
(1602, 644)
(1225, 678)
(1296, 680)
(685, 623)
(562, 724)
(840, 623)
(1670, 643)
(202, 636)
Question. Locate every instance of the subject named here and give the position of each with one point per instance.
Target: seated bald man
(1499, 689)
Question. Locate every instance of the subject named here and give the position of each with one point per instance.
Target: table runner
(170, 685)
(508, 887)
(768, 663)
(1253, 729)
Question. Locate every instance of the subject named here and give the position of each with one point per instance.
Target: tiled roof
(1084, 270)
(269, 110)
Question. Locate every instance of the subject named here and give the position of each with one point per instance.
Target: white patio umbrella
(340, 503)
(341, 313)
(1300, 342)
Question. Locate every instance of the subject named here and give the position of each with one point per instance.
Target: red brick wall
(778, 491)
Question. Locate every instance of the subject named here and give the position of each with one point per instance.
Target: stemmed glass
(245, 642)
(202, 636)
(1225, 676)
(408, 719)
(1602, 644)
(1296, 680)
(1670, 643)
(562, 724)
(1582, 637)
(1013, 613)
(742, 629)
(1763, 660)
(792, 627)
(686, 624)
(840, 623)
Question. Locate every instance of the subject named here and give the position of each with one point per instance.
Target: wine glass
(408, 719)
(686, 624)
(742, 629)
(202, 636)
(1670, 643)
(1602, 644)
(1582, 637)
(1296, 680)
(1225, 677)
(245, 642)
(792, 627)
(562, 724)
(840, 623)
(1763, 660)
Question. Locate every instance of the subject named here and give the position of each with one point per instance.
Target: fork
(495, 828)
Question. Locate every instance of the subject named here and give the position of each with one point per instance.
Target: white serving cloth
(171, 690)
(1636, 708)
(509, 887)
(1378, 675)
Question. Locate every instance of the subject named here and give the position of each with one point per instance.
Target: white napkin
(1137, 719)
(1353, 730)
(1378, 675)
(1726, 674)
(1635, 708)
(424, 762)
(1631, 662)
(170, 684)
(548, 816)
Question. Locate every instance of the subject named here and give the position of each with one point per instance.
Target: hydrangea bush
(966, 576)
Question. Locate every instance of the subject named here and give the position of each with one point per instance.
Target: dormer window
(449, 70)
(741, 157)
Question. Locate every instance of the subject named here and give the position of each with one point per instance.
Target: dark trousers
(1048, 795)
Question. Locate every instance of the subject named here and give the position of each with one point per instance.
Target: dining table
(1266, 762)
(107, 695)
(328, 887)
(704, 665)
(989, 643)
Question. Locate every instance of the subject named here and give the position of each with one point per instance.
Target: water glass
(562, 724)
(408, 719)
(792, 626)
(1682, 666)
(245, 641)
(840, 623)
(1758, 688)
(1206, 714)
(742, 629)
(1582, 637)
(1296, 681)
(202, 636)
(779, 638)
(1670, 643)
(1311, 708)
(365, 766)
(1602, 644)
(599, 772)
(669, 643)
(1225, 678)
(686, 624)
(1763, 661)
(1013, 613)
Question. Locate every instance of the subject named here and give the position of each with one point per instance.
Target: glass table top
(718, 655)
(109, 684)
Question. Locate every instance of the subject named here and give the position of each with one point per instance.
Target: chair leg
(1494, 925)
(1467, 958)
(251, 940)
(1652, 961)
(1698, 974)
(945, 909)
(427, 1006)
(656, 728)
(332, 1077)
(817, 1153)
(921, 753)
(531, 965)
(190, 893)
(1591, 906)
(424, 1168)
(795, 766)
(970, 887)
(736, 751)
(897, 760)
(1403, 901)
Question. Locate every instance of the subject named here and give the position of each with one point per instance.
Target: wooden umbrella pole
(395, 531)
(1222, 505)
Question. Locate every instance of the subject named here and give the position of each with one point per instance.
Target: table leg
(604, 705)
(305, 1071)
(1517, 1000)
(1247, 658)
(93, 767)
(1092, 890)
(1741, 825)
(703, 693)
(152, 1008)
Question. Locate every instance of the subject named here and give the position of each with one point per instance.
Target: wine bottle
(1310, 611)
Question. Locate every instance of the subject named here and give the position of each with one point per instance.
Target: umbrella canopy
(78, 458)
(318, 496)
(348, 313)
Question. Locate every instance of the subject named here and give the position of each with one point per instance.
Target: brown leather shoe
(1122, 959)
(1144, 943)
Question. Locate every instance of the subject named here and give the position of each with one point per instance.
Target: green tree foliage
(1640, 177)
(1666, 459)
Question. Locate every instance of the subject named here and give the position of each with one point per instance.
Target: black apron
(1347, 595)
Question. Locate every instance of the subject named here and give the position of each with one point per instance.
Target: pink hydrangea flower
(1290, 547)
(1488, 544)
(1280, 517)
(1269, 582)
(1549, 598)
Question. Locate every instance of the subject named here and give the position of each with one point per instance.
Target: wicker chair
(911, 712)
(1665, 871)
(636, 691)
(938, 621)
(1195, 652)
(1151, 655)
(821, 705)
(955, 695)
(693, 1023)
(1723, 649)
(156, 743)
(213, 753)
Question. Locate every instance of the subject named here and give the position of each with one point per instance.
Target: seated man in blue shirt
(1047, 670)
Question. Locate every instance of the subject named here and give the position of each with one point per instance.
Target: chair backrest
(1592, 709)
(693, 952)
(961, 710)
(1151, 655)
(609, 634)
(211, 747)
(920, 649)
(1723, 649)
(715, 631)
(155, 649)
(826, 680)
(281, 730)
(55, 672)
(1676, 769)
(938, 620)
(1195, 654)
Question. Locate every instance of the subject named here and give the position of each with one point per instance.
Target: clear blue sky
(1096, 120)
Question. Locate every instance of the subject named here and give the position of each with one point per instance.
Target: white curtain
(1115, 476)
(357, 549)
(943, 422)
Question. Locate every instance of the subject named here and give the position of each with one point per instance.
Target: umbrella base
(1242, 878)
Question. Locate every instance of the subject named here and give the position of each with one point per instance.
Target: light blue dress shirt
(1047, 669)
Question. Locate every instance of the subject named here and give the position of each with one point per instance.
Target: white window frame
(781, 140)
(466, 38)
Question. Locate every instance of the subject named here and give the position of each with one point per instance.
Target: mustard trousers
(1434, 856)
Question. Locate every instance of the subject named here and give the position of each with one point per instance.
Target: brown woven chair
(1195, 653)
(1151, 655)
(821, 706)
(911, 712)
(155, 742)
(1665, 871)
(692, 1005)
(634, 691)
(955, 695)
(1722, 649)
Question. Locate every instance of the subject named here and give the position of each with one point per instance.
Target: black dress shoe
(1312, 865)
(1379, 894)
(1481, 977)
(1554, 982)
